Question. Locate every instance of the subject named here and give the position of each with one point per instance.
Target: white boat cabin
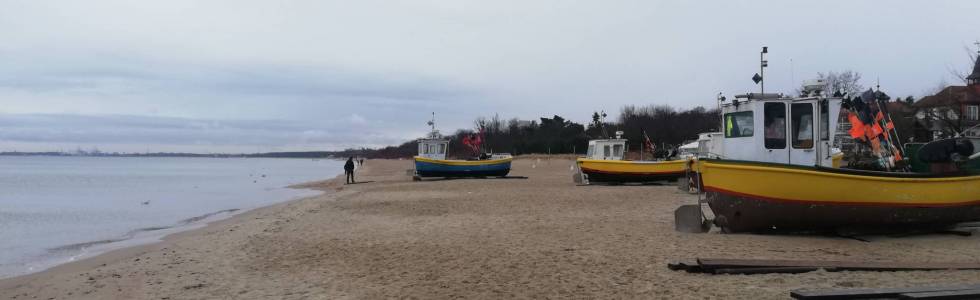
(708, 145)
(777, 129)
(689, 150)
(607, 149)
(433, 146)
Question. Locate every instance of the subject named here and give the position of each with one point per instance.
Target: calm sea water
(59, 209)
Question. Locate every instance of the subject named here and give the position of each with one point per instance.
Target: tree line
(666, 126)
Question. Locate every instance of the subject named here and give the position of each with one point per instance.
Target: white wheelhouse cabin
(433, 146)
(607, 149)
(776, 129)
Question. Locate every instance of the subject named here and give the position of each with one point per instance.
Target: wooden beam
(721, 263)
(962, 294)
(771, 270)
(874, 293)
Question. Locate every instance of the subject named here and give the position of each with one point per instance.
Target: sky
(260, 76)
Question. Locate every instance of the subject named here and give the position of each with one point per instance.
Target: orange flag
(857, 127)
(876, 130)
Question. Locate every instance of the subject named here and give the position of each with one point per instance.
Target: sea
(59, 209)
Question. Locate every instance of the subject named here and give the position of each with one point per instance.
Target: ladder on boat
(842, 138)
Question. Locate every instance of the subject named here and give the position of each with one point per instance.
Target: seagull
(147, 202)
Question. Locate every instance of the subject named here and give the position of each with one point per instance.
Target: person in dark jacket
(349, 170)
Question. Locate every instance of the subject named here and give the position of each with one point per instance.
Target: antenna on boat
(760, 77)
(434, 134)
(432, 122)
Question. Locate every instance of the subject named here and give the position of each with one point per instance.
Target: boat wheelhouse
(775, 129)
(607, 149)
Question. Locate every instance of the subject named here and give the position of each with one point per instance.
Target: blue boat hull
(450, 168)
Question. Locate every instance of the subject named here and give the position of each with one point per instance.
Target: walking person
(349, 170)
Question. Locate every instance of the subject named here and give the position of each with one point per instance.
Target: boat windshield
(738, 124)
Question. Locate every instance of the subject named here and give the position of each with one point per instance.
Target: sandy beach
(541, 237)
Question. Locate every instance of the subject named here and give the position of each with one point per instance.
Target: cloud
(335, 73)
(79, 74)
(356, 119)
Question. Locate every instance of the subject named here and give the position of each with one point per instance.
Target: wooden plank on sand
(874, 293)
(722, 263)
(768, 270)
(962, 294)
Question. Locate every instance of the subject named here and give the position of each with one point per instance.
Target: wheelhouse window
(591, 151)
(738, 124)
(442, 149)
(605, 151)
(617, 151)
(775, 123)
(802, 125)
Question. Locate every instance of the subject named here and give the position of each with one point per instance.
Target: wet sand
(541, 237)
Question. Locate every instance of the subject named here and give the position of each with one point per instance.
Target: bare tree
(939, 87)
(846, 82)
(959, 73)
(948, 116)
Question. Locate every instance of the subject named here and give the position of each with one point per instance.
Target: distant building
(903, 116)
(954, 109)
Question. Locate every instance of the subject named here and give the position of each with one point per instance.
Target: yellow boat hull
(749, 196)
(622, 171)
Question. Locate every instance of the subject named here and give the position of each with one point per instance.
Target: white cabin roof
(692, 145)
(609, 141)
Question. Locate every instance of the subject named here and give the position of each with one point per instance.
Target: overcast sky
(256, 76)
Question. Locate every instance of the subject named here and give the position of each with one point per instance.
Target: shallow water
(59, 209)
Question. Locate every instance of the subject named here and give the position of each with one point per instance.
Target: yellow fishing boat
(777, 170)
(605, 163)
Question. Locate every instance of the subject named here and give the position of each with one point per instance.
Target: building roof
(976, 70)
(950, 95)
(899, 107)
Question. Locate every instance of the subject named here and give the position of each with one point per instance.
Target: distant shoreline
(313, 154)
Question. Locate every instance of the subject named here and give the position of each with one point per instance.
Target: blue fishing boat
(431, 160)
(426, 167)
